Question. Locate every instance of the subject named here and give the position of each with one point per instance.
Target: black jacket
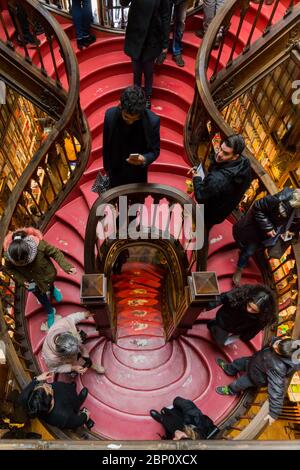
(185, 412)
(147, 31)
(266, 368)
(112, 160)
(222, 188)
(66, 405)
(237, 320)
(265, 216)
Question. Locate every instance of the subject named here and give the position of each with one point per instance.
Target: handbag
(101, 183)
(278, 247)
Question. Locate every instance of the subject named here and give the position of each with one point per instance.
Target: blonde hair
(191, 432)
(295, 201)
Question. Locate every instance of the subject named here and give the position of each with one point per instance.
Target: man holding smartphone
(131, 139)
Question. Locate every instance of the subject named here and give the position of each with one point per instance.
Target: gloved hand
(161, 58)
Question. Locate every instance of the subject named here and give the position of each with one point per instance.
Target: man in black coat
(271, 367)
(147, 35)
(131, 139)
(183, 415)
(228, 177)
(57, 404)
(267, 218)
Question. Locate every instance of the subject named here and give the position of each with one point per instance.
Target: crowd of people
(131, 142)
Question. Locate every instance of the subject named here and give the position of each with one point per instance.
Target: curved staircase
(142, 372)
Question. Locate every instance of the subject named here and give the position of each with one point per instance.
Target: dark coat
(185, 412)
(263, 217)
(66, 405)
(147, 31)
(113, 164)
(237, 320)
(266, 368)
(222, 188)
(42, 271)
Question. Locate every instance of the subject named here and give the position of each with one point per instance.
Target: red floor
(142, 372)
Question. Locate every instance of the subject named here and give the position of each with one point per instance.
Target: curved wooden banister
(70, 124)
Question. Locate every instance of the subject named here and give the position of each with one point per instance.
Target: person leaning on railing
(27, 258)
(264, 223)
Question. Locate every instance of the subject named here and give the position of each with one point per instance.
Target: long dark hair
(259, 294)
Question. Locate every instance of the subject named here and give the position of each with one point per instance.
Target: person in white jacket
(63, 351)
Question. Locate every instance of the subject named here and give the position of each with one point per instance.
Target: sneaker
(90, 423)
(88, 40)
(236, 278)
(223, 366)
(148, 102)
(231, 340)
(56, 294)
(225, 390)
(98, 369)
(51, 318)
(178, 60)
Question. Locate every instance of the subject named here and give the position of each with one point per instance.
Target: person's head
(67, 344)
(231, 148)
(285, 346)
(257, 299)
(295, 200)
(40, 401)
(133, 104)
(22, 250)
(188, 432)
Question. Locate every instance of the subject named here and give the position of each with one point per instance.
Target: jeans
(140, 67)
(210, 8)
(44, 299)
(243, 382)
(246, 252)
(82, 17)
(179, 17)
(219, 335)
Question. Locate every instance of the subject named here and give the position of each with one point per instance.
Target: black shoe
(199, 33)
(156, 415)
(82, 395)
(88, 40)
(178, 60)
(90, 423)
(148, 102)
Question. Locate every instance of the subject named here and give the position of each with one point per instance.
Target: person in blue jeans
(27, 258)
(179, 16)
(82, 18)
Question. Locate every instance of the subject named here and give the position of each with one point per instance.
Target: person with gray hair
(63, 351)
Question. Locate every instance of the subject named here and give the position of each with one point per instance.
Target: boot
(236, 278)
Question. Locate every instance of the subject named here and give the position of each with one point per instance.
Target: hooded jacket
(54, 361)
(265, 216)
(267, 368)
(42, 271)
(222, 188)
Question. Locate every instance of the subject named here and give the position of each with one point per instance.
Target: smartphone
(200, 171)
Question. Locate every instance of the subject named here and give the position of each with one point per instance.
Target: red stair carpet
(142, 372)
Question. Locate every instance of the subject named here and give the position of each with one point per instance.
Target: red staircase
(142, 372)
